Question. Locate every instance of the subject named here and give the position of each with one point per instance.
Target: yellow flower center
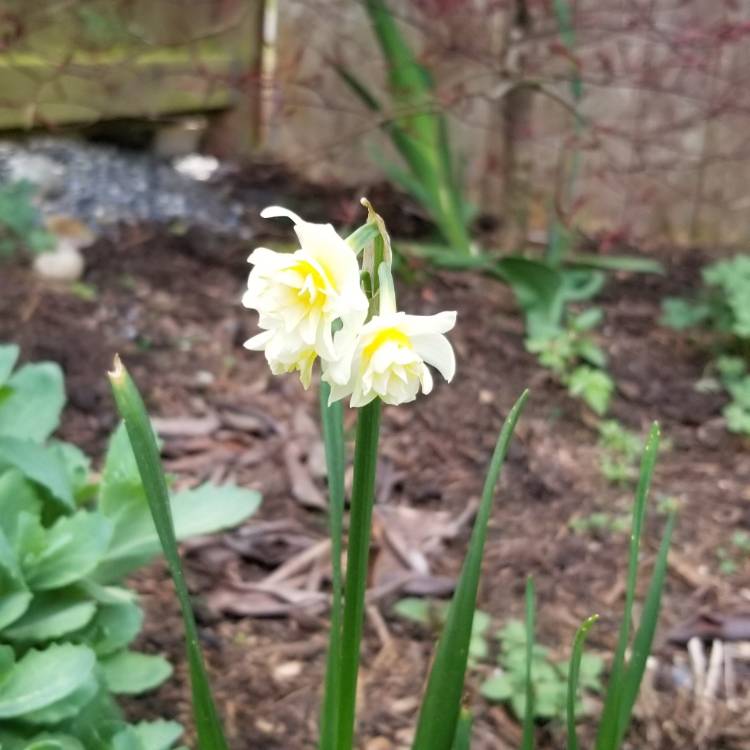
(384, 336)
(314, 286)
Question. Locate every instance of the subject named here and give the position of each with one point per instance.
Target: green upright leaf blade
(438, 717)
(573, 673)
(143, 442)
(644, 636)
(607, 736)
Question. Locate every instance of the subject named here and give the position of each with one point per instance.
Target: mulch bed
(169, 304)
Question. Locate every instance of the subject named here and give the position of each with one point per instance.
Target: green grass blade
(462, 740)
(363, 496)
(438, 716)
(608, 728)
(133, 412)
(644, 637)
(573, 674)
(527, 742)
(332, 419)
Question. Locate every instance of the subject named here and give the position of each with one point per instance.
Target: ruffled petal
(436, 350)
(275, 212)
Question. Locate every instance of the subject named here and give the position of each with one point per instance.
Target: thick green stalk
(133, 412)
(332, 419)
(363, 497)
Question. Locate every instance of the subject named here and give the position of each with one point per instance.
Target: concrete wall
(665, 155)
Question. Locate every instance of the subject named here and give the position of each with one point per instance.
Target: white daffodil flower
(392, 353)
(298, 297)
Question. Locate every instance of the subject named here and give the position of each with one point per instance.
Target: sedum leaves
(66, 543)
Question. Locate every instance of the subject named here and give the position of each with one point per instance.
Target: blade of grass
(462, 740)
(527, 742)
(133, 412)
(573, 674)
(363, 496)
(438, 715)
(609, 726)
(332, 419)
(644, 637)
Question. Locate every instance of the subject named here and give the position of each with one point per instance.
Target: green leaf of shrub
(72, 548)
(131, 672)
(158, 735)
(41, 465)
(8, 357)
(32, 409)
(66, 707)
(113, 628)
(204, 510)
(41, 678)
(51, 615)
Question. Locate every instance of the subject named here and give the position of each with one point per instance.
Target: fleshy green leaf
(51, 615)
(39, 464)
(42, 678)
(8, 358)
(158, 735)
(204, 510)
(72, 548)
(66, 707)
(14, 594)
(113, 628)
(32, 409)
(131, 672)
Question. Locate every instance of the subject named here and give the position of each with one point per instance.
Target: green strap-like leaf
(133, 412)
(607, 736)
(436, 727)
(644, 637)
(573, 673)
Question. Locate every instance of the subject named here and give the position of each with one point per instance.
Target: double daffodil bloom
(392, 353)
(298, 297)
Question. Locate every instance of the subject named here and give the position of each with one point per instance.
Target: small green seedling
(549, 678)
(620, 450)
(734, 555)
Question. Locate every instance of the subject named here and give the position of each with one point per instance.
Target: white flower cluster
(300, 295)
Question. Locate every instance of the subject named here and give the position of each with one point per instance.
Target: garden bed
(169, 304)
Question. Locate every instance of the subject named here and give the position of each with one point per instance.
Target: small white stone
(64, 263)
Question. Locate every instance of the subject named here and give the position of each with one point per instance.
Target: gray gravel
(103, 186)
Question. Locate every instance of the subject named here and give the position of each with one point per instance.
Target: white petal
(258, 343)
(272, 259)
(416, 325)
(425, 378)
(436, 350)
(275, 212)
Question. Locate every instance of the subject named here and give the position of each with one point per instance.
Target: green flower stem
(363, 496)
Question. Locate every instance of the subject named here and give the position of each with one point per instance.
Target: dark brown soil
(170, 306)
